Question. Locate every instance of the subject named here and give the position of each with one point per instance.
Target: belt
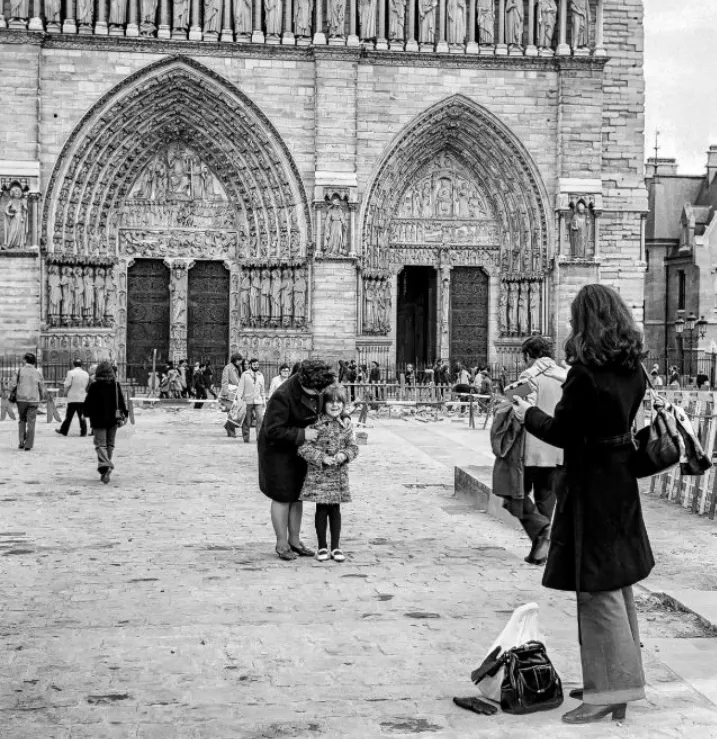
(610, 441)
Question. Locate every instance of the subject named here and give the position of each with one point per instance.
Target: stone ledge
(19, 253)
(473, 485)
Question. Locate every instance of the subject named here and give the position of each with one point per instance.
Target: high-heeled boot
(587, 714)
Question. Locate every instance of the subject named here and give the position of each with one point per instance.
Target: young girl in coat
(327, 478)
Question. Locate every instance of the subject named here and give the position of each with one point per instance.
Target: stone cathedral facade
(402, 179)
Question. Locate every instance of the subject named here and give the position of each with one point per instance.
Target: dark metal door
(469, 316)
(208, 315)
(147, 316)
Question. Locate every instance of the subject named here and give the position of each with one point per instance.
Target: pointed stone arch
(177, 101)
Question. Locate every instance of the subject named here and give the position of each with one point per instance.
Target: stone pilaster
(444, 311)
(178, 304)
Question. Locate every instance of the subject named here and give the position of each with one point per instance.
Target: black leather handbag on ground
(530, 683)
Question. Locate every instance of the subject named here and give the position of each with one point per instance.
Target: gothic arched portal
(457, 189)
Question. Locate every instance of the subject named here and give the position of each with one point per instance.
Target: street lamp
(689, 324)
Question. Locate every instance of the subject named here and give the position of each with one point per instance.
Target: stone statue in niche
(580, 14)
(578, 229)
(149, 16)
(212, 16)
(523, 308)
(272, 17)
(118, 13)
(384, 307)
(88, 297)
(84, 12)
(335, 236)
(336, 10)
(486, 22)
(369, 305)
(242, 17)
(514, 22)
(66, 287)
(300, 290)
(16, 218)
(255, 296)
(456, 21)
(302, 18)
(276, 297)
(53, 9)
(19, 10)
(287, 297)
(245, 297)
(503, 310)
(100, 296)
(397, 20)
(427, 20)
(111, 301)
(180, 15)
(535, 307)
(367, 19)
(547, 18)
(513, 308)
(266, 295)
(55, 294)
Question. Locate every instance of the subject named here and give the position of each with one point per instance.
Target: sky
(681, 80)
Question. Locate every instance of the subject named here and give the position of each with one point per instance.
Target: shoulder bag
(13, 393)
(119, 416)
(530, 681)
(657, 446)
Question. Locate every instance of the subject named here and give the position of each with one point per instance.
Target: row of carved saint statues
(81, 295)
(376, 305)
(519, 307)
(511, 23)
(273, 297)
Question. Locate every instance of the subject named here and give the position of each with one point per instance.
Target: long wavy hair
(104, 372)
(604, 333)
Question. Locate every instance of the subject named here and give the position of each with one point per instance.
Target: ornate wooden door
(147, 315)
(469, 316)
(208, 315)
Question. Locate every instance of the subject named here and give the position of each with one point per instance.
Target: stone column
(532, 47)
(381, 41)
(257, 36)
(411, 42)
(563, 48)
(501, 47)
(444, 311)
(353, 39)
(288, 35)
(178, 288)
(195, 30)
(164, 30)
(234, 298)
(33, 231)
(352, 235)
(600, 29)
(319, 35)
(472, 46)
(442, 44)
(227, 33)
(101, 28)
(69, 25)
(132, 18)
(36, 21)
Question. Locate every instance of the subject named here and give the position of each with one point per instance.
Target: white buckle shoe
(337, 555)
(322, 555)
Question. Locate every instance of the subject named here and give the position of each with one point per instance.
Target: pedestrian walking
(289, 413)
(198, 384)
(327, 477)
(280, 379)
(599, 546)
(209, 378)
(29, 390)
(253, 393)
(541, 462)
(231, 374)
(106, 408)
(75, 385)
(184, 378)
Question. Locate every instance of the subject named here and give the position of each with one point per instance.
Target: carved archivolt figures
(580, 13)
(519, 307)
(376, 305)
(273, 297)
(15, 218)
(81, 296)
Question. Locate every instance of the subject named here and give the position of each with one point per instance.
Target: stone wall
(19, 303)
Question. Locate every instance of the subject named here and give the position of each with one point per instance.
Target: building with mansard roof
(402, 180)
(681, 277)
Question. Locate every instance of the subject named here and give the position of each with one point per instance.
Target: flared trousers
(610, 647)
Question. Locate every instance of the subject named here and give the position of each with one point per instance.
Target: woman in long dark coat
(599, 546)
(290, 410)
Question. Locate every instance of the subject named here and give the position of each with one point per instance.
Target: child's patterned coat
(324, 483)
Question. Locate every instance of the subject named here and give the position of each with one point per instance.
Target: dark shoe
(286, 554)
(576, 693)
(83, 433)
(301, 550)
(105, 477)
(20, 446)
(587, 714)
(61, 432)
(28, 448)
(539, 551)
(230, 430)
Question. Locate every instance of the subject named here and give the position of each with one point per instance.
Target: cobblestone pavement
(155, 606)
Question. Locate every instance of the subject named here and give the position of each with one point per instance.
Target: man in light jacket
(231, 376)
(540, 460)
(76, 384)
(252, 392)
(30, 391)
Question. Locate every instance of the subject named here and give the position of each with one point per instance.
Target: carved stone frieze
(376, 308)
(81, 293)
(60, 346)
(275, 345)
(520, 307)
(273, 296)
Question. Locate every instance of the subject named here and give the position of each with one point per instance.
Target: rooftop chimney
(711, 164)
(659, 166)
